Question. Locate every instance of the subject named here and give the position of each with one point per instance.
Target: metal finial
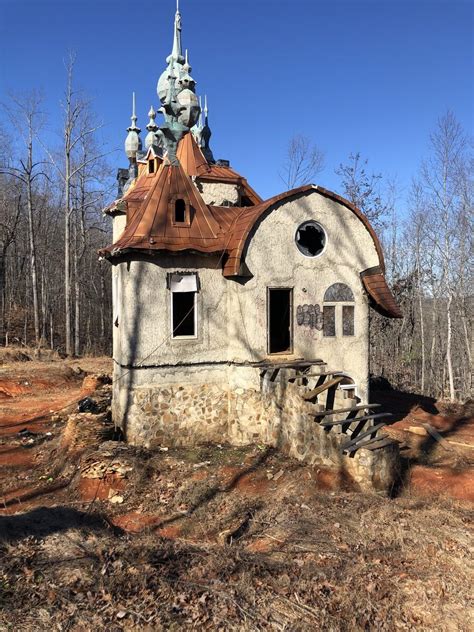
(134, 118)
(151, 116)
(133, 144)
(176, 51)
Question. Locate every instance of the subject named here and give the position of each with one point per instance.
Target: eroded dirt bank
(96, 534)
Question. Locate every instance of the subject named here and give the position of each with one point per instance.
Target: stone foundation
(242, 408)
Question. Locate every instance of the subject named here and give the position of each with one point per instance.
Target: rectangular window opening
(151, 166)
(279, 320)
(348, 320)
(184, 314)
(179, 211)
(329, 320)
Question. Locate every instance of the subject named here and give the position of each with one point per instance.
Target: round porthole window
(310, 238)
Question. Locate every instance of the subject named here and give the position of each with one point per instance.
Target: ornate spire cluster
(202, 132)
(180, 106)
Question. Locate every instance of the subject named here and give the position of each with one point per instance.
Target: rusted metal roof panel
(376, 286)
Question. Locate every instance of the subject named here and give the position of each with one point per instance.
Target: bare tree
(25, 113)
(443, 178)
(303, 161)
(75, 132)
(363, 189)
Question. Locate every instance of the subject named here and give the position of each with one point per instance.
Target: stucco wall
(232, 316)
(219, 193)
(275, 261)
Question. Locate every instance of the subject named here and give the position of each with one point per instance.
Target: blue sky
(368, 76)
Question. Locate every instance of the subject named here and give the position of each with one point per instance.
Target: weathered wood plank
(351, 420)
(324, 387)
(373, 444)
(328, 413)
(361, 435)
(294, 378)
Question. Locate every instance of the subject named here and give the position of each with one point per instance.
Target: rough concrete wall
(145, 324)
(118, 225)
(219, 194)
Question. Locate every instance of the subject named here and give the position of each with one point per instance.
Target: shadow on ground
(45, 521)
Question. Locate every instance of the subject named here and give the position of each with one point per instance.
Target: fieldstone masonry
(270, 413)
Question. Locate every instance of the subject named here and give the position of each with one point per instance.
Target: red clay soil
(442, 481)
(437, 439)
(91, 489)
(38, 390)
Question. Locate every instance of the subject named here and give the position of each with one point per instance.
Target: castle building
(238, 319)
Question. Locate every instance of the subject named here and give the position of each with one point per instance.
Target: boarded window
(180, 210)
(329, 320)
(348, 320)
(338, 292)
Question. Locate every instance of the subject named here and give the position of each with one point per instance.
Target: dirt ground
(96, 534)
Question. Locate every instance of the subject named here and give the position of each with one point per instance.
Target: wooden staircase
(360, 423)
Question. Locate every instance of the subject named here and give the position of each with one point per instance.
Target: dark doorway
(279, 320)
(184, 314)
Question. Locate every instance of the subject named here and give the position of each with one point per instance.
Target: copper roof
(383, 300)
(152, 226)
(191, 157)
(150, 200)
(194, 164)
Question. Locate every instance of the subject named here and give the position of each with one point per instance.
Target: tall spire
(184, 86)
(133, 143)
(176, 50)
(206, 111)
(200, 113)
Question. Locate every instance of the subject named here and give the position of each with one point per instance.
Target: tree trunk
(31, 238)
(422, 320)
(67, 258)
(77, 311)
(2, 292)
(449, 361)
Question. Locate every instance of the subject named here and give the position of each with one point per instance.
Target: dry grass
(335, 562)
(254, 541)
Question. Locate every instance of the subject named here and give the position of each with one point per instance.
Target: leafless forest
(54, 292)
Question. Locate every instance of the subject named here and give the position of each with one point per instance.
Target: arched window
(334, 312)
(179, 210)
(337, 293)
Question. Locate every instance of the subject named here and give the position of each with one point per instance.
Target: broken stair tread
(324, 387)
(366, 433)
(293, 378)
(327, 413)
(373, 444)
(296, 364)
(343, 422)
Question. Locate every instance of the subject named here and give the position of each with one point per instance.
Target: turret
(133, 143)
(151, 139)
